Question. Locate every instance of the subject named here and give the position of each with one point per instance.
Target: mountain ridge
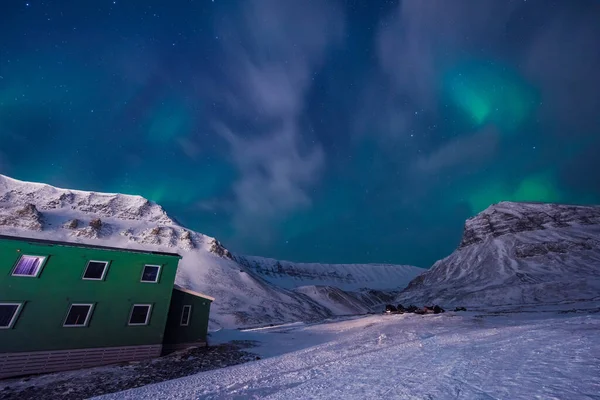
(243, 296)
(516, 253)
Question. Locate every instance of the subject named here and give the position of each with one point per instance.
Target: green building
(187, 323)
(68, 306)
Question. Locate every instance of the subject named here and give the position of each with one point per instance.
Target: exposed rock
(217, 248)
(92, 232)
(46, 197)
(62, 200)
(72, 224)
(28, 210)
(501, 219)
(159, 235)
(25, 217)
(96, 223)
(186, 240)
(524, 250)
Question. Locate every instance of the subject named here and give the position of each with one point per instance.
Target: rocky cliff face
(15, 193)
(511, 218)
(515, 253)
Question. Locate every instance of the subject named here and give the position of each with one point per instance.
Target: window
(29, 266)
(8, 314)
(151, 273)
(185, 315)
(78, 315)
(95, 270)
(140, 314)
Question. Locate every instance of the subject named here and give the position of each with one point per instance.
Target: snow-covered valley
(545, 353)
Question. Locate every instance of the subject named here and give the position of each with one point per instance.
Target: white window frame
(188, 306)
(14, 318)
(147, 314)
(157, 274)
(103, 272)
(87, 317)
(37, 273)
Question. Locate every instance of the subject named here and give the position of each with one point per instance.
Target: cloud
(423, 37)
(463, 150)
(275, 172)
(564, 60)
(416, 45)
(271, 53)
(557, 53)
(552, 54)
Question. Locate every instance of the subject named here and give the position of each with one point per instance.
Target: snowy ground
(548, 354)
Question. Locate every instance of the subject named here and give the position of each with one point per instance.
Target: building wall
(197, 329)
(47, 298)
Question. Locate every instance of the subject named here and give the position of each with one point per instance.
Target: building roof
(88, 246)
(197, 294)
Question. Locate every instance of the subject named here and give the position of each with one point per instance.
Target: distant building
(68, 306)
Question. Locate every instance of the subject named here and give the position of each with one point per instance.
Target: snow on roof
(197, 294)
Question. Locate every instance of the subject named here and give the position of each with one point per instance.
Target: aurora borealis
(332, 131)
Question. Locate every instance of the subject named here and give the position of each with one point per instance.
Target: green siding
(198, 326)
(48, 297)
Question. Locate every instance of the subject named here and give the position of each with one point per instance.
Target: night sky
(332, 131)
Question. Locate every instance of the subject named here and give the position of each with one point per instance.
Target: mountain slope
(344, 276)
(516, 253)
(243, 297)
(342, 288)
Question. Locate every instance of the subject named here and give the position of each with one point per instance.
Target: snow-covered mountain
(342, 288)
(245, 295)
(344, 276)
(517, 253)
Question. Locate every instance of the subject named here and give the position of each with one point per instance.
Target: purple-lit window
(29, 266)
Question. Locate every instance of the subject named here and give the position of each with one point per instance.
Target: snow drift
(517, 253)
(244, 297)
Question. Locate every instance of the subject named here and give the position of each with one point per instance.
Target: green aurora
(380, 128)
